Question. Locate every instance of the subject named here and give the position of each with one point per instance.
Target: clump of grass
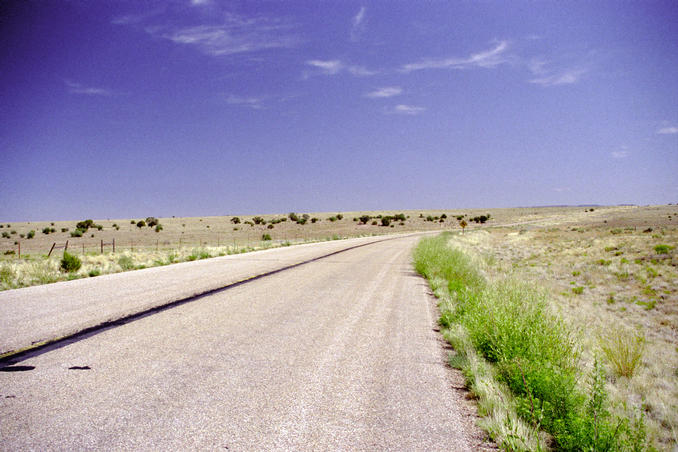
(7, 276)
(126, 263)
(578, 290)
(663, 249)
(70, 263)
(623, 350)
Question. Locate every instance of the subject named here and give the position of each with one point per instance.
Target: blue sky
(135, 108)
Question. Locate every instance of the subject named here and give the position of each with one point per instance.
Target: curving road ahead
(336, 354)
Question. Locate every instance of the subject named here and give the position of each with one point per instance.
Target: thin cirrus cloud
(619, 154)
(403, 109)
(334, 67)
(235, 35)
(388, 91)
(670, 130)
(358, 24)
(567, 77)
(487, 59)
(77, 88)
(255, 103)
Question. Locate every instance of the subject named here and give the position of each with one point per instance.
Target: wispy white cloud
(77, 88)
(669, 130)
(329, 67)
(562, 189)
(333, 67)
(236, 35)
(358, 24)
(487, 59)
(200, 2)
(566, 77)
(255, 103)
(619, 154)
(388, 91)
(403, 109)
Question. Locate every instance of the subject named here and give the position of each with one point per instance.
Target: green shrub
(314, 220)
(578, 290)
(258, 220)
(141, 224)
(126, 263)
(385, 221)
(64, 229)
(5, 235)
(93, 273)
(293, 216)
(77, 233)
(266, 237)
(46, 230)
(152, 221)
(365, 218)
(340, 216)
(70, 263)
(30, 234)
(235, 220)
(158, 227)
(663, 249)
(84, 225)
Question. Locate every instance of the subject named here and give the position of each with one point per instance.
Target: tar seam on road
(55, 344)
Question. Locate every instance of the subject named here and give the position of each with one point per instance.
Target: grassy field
(612, 276)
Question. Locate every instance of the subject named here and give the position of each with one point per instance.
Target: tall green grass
(532, 352)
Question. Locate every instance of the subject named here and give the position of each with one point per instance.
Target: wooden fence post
(113, 246)
(19, 244)
(66, 246)
(102, 246)
(51, 249)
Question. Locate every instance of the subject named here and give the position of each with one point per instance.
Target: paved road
(43, 313)
(337, 354)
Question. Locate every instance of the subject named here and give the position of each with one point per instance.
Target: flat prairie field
(613, 275)
(222, 230)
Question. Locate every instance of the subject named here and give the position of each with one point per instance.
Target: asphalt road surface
(337, 354)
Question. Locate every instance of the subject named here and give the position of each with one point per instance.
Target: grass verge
(521, 360)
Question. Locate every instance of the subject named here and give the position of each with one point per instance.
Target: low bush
(64, 229)
(663, 249)
(235, 220)
(385, 221)
(5, 235)
(158, 227)
(266, 237)
(30, 234)
(70, 263)
(46, 230)
(126, 263)
(365, 218)
(141, 224)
